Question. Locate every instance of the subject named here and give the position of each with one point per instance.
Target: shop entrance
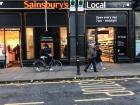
(105, 36)
(10, 46)
(55, 37)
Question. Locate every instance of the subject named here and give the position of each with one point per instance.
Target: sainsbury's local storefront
(27, 24)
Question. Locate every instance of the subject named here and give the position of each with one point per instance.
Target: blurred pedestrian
(91, 57)
(98, 57)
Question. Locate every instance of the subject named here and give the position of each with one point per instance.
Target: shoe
(91, 67)
(103, 68)
(51, 69)
(95, 71)
(85, 70)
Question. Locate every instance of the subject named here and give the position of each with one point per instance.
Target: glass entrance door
(2, 45)
(104, 36)
(10, 46)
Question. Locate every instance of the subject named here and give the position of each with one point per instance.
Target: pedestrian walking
(98, 57)
(91, 57)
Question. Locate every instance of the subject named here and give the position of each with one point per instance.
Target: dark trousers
(17, 56)
(48, 59)
(93, 63)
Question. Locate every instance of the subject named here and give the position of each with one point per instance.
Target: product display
(104, 36)
(107, 49)
(106, 39)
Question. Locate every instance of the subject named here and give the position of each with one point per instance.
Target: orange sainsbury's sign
(45, 4)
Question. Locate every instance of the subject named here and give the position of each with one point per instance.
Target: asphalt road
(83, 92)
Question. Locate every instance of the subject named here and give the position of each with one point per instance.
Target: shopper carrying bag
(98, 57)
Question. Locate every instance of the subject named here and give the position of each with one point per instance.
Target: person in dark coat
(91, 58)
(17, 52)
(98, 57)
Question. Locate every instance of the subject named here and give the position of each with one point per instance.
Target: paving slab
(22, 74)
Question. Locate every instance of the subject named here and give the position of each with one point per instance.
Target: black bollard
(78, 66)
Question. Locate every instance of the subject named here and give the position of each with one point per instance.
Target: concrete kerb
(68, 79)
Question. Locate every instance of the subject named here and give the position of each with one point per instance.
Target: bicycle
(40, 65)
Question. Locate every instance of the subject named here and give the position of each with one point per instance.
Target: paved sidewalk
(17, 74)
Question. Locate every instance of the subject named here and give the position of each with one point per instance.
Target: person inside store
(9, 48)
(17, 52)
(46, 52)
(98, 57)
(91, 57)
(9, 54)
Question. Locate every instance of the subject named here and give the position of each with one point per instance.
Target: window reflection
(29, 43)
(137, 41)
(2, 51)
(137, 34)
(63, 42)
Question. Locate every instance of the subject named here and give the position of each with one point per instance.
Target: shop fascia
(92, 5)
(1, 3)
(46, 4)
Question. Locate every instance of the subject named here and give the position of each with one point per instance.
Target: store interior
(104, 36)
(9, 45)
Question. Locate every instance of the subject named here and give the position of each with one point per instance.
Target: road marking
(110, 88)
(28, 103)
(103, 90)
(112, 93)
(93, 84)
(101, 85)
(120, 93)
(95, 99)
(138, 81)
(97, 82)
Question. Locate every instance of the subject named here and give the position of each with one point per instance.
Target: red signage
(46, 4)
